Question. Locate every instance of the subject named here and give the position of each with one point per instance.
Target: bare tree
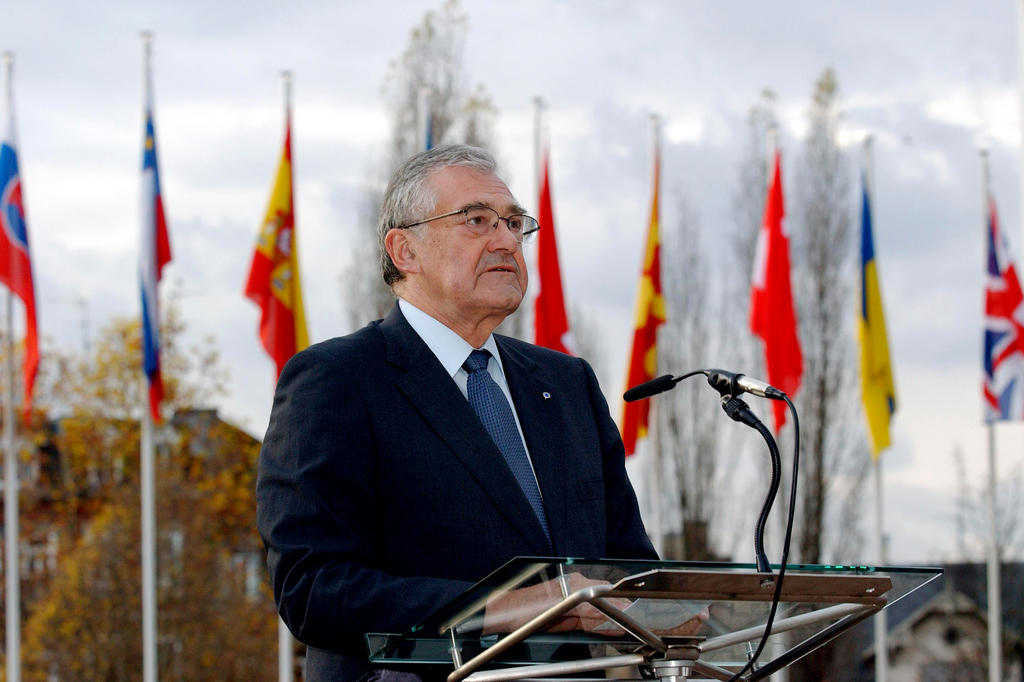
(835, 458)
(971, 516)
(689, 424)
(587, 335)
(431, 65)
(751, 189)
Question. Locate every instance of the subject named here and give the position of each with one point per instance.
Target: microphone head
(649, 388)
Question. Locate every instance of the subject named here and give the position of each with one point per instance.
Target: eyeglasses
(482, 220)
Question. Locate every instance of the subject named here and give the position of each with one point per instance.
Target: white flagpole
(880, 619)
(653, 432)
(538, 141)
(285, 643)
(422, 117)
(992, 554)
(12, 583)
(149, 605)
(781, 501)
(1020, 99)
(528, 308)
(995, 648)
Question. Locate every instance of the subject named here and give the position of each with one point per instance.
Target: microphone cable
(785, 547)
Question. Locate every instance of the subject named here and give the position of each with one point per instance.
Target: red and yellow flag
(273, 282)
(650, 314)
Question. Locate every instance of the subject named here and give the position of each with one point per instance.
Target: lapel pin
(546, 395)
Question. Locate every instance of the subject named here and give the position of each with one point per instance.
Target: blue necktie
(490, 404)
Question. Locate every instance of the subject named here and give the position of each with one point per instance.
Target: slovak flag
(1004, 329)
(15, 263)
(154, 253)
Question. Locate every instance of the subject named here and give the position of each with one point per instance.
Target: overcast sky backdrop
(933, 82)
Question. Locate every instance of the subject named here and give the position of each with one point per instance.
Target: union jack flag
(1004, 329)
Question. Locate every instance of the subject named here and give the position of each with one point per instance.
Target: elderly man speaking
(406, 461)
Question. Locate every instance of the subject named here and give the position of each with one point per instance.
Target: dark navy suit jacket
(381, 497)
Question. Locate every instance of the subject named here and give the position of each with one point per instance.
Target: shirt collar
(450, 348)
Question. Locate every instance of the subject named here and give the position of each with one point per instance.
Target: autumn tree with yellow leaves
(216, 617)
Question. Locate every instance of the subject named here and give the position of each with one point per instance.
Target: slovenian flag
(15, 263)
(154, 253)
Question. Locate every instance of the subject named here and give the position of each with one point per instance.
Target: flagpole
(12, 583)
(992, 552)
(149, 605)
(538, 140)
(773, 147)
(1020, 101)
(421, 117)
(528, 307)
(995, 649)
(285, 642)
(880, 619)
(655, 477)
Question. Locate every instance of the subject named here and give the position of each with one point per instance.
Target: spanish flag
(273, 282)
(877, 386)
(650, 314)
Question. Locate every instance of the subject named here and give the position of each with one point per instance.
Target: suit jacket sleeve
(316, 495)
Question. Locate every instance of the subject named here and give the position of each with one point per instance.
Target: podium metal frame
(842, 596)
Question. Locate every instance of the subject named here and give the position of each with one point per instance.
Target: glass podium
(542, 618)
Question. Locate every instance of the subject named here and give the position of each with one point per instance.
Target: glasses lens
(529, 227)
(481, 219)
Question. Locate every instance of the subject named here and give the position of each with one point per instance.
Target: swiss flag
(771, 300)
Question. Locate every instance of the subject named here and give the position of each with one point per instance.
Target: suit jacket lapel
(438, 399)
(537, 404)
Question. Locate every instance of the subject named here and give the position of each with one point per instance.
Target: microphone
(649, 388)
(732, 384)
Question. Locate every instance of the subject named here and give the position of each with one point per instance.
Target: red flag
(771, 300)
(650, 314)
(550, 323)
(273, 282)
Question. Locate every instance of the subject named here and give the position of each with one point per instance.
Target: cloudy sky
(933, 82)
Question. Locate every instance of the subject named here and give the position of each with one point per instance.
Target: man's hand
(509, 610)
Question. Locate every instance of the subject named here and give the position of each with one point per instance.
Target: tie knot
(476, 361)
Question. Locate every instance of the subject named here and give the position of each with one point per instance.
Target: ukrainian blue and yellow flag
(877, 387)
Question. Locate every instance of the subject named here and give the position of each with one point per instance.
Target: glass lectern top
(536, 610)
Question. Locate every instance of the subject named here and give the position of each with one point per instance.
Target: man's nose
(502, 237)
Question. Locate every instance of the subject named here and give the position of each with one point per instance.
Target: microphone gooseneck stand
(730, 385)
(789, 526)
(740, 411)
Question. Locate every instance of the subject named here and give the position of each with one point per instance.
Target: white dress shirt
(452, 350)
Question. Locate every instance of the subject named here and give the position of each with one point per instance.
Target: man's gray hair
(409, 197)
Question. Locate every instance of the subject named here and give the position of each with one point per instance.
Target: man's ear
(401, 247)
